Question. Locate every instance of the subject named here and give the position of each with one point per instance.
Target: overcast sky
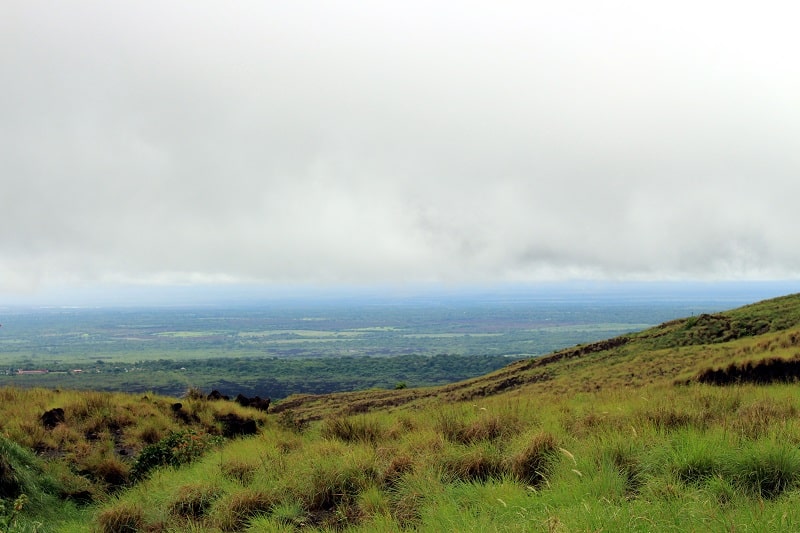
(397, 142)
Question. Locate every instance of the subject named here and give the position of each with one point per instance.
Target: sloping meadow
(686, 458)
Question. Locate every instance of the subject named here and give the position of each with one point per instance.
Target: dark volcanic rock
(256, 402)
(52, 418)
(235, 426)
(217, 395)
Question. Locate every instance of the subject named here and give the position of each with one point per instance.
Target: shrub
(10, 513)
(178, 448)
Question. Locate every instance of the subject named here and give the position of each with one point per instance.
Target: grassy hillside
(620, 435)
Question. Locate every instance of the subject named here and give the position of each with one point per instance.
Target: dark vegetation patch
(580, 351)
(773, 370)
(256, 402)
(234, 425)
(773, 315)
(50, 419)
(178, 448)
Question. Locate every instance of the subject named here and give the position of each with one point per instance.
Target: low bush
(178, 448)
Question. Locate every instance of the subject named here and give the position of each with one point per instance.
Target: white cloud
(379, 142)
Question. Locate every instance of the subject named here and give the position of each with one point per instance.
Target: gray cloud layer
(377, 142)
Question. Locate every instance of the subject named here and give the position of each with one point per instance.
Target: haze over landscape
(348, 144)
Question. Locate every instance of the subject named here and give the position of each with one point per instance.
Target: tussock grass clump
(25, 483)
(353, 429)
(238, 470)
(288, 514)
(533, 461)
(399, 465)
(479, 462)
(233, 511)
(592, 422)
(693, 458)
(328, 480)
(194, 500)
(765, 470)
(461, 427)
(289, 420)
(109, 468)
(332, 484)
(410, 495)
(123, 517)
(669, 418)
(373, 502)
(625, 456)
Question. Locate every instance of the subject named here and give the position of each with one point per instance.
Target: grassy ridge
(675, 458)
(613, 436)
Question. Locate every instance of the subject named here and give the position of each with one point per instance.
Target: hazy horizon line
(244, 293)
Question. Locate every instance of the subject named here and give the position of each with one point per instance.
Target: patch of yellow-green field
(186, 334)
(305, 333)
(449, 335)
(592, 327)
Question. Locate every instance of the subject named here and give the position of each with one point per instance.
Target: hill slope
(615, 435)
(676, 350)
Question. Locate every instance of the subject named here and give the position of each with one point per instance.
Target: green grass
(595, 462)
(609, 437)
